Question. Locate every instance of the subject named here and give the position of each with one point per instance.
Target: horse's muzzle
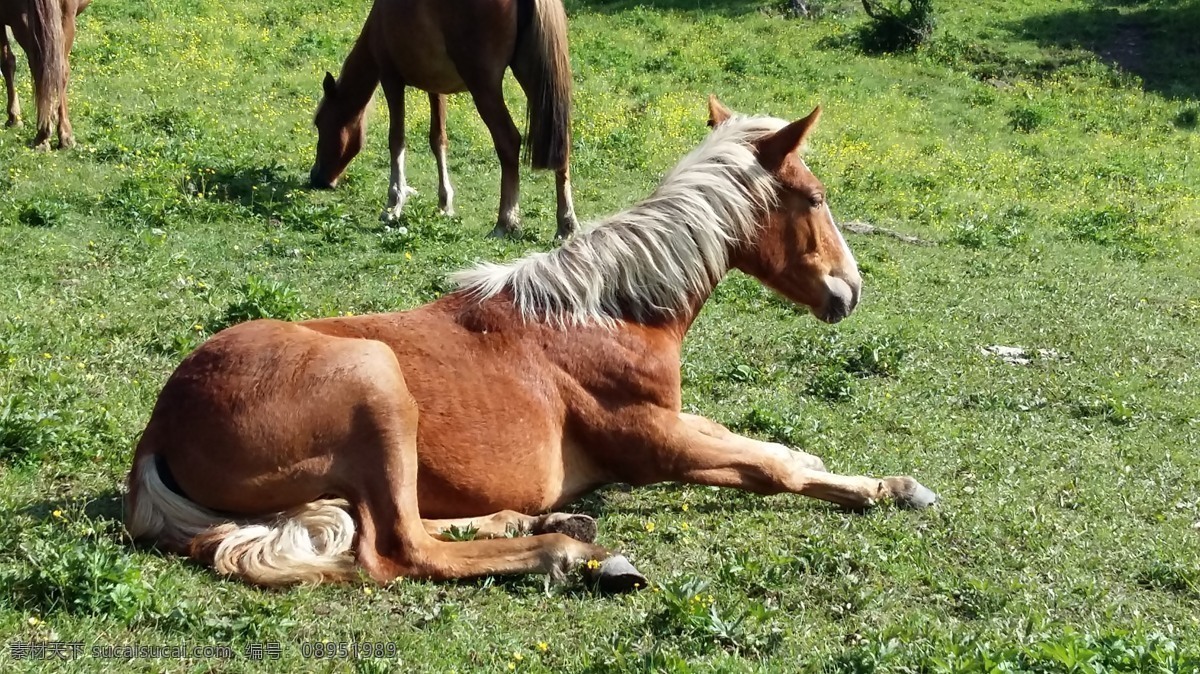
(842, 297)
(318, 182)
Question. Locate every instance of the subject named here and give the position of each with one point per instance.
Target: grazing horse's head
(340, 135)
(798, 250)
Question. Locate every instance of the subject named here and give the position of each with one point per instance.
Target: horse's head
(798, 250)
(340, 135)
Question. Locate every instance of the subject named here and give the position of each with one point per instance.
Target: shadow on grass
(106, 506)
(260, 189)
(1155, 40)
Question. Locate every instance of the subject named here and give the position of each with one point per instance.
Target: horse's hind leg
(66, 138)
(438, 143)
(8, 66)
(394, 542)
(489, 100)
(398, 189)
(510, 522)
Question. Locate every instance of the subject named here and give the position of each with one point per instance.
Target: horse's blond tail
(308, 544)
(543, 66)
(47, 58)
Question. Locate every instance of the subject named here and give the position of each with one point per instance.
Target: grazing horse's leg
(398, 189)
(489, 100)
(437, 143)
(394, 542)
(8, 66)
(506, 522)
(567, 223)
(696, 454)
(66, 138)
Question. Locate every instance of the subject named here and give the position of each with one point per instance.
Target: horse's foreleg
(398, 189)
(700, 453)
(437, 144)
(66, 137)
(489, 100)
(8, 67)
(716, 430)
(510, 522)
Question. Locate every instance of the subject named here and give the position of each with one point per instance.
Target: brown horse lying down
(287, 452)
(45, 29)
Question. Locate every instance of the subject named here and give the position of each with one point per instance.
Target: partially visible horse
(45, 29)
(448, 47)
(297, 452)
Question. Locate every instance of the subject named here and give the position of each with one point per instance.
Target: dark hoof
(66, 143)
(908, 493)
(14, 123)
(616, 574)
(566, 229)
(499, 232)
(580, 527)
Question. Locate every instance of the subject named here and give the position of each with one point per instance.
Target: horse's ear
(717, 112)
(773, 149)
(329, 85)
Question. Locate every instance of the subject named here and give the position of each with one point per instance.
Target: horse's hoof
(388, 216)
(616, 574)
(579, 527)
(908, 493)
(43, 146)
(501, 232)
(66, 143)
(566, 228)
(14, 123)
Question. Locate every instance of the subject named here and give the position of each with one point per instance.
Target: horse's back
(441, 46)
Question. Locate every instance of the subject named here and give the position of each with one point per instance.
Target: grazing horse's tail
(47, 57)
(543, 67)
(310, 543)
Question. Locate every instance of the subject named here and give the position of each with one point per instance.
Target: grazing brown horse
(444, 48)
(274, 445)
(45, 29)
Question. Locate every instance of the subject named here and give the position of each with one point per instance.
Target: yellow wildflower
(593, 564)
(57, 513)
(649, 526)
(543, 646)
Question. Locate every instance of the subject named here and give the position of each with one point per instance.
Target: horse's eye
(816, 200)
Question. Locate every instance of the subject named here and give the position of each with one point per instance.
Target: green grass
(1061, 189)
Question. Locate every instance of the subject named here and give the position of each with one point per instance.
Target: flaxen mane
(649, 260)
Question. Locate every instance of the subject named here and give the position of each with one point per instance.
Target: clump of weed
(770, 424)
(42, 213)
(697, 624)
(1126, 230)
(457, 533)
(835, 364)
(1110, 408)
(896, 25)
(27, 434)
(1171, 577)
(143, 202)
(1026, 118)
(1188, 118)
(261, 298)
(981, 231)
(76, 567)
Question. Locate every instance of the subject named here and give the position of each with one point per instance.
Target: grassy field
(1049, 149)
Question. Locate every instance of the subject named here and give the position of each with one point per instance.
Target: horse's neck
(358, 79)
